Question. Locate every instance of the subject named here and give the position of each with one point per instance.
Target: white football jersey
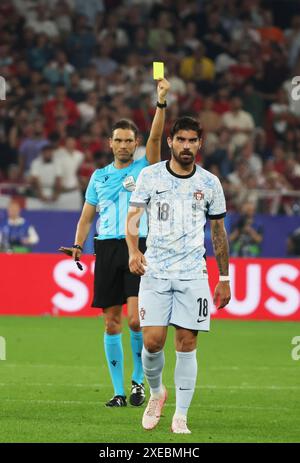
(177, 207)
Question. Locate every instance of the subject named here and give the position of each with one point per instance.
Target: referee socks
(136, 341)
(115, 360)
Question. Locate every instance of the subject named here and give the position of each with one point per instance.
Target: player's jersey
(177, 207)
(110, 189)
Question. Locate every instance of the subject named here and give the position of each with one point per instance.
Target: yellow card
(158, 70)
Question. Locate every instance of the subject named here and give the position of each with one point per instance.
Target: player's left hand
(222, 294)
(163, 86)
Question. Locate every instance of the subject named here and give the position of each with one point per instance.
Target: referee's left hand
(137, 262)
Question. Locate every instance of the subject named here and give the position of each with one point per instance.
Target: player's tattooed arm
(220, 245)
(221, 249)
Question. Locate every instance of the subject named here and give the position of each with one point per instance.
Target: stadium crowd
(72, 68)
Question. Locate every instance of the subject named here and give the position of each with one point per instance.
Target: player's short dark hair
(186, 123)
(125, 124)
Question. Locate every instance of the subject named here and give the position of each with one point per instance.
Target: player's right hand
(137, 263)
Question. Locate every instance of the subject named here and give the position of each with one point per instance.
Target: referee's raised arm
(153, 146)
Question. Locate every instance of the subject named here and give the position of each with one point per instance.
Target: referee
(109, 191)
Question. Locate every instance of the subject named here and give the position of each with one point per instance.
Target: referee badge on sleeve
(129, 183)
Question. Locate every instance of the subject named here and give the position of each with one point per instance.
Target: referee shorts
(113, 282)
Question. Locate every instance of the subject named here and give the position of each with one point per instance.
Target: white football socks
(153, 364)
(185, 380)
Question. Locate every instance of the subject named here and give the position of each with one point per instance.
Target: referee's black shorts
(113, 282)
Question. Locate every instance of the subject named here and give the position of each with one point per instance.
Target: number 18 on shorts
(184, 303)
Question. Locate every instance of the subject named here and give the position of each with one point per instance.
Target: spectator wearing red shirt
(222, 103)
(60, 101)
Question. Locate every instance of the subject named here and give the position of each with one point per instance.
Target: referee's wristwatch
(77, 246)
(161, 105)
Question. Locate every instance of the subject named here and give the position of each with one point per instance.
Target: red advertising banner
(50, 284)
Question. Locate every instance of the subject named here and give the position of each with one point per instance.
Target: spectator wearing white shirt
(88, 108)
(45, 177)
(70, 160)
(239, 122)
(41, 22)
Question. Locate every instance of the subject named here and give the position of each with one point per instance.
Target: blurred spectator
(260, 144)
(88, 81)
(42, 22)
(89, 9)
(88, 108)
(75, 91)
(197, 66)
(254, 162)
(161, 34)
(31, 145)
(214, 35)
(268, 32)
(280, 115)
(253, 103)
(45, 176)
(112, 29)
(40, 52)
(279, 158)
(69, 160)
(293, 243)
(210, 120)
(8, 155)
(60, 106)
(222, 102)
(247, 234)
(80, 44)
(104, 63)
(222, 156)
(16, 234)
(239, 122)
(293, 40)
(59, 70)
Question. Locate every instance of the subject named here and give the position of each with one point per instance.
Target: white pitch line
(172, 404)
(225, 368)
(170, 386)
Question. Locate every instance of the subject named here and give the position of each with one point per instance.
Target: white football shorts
(184, 303)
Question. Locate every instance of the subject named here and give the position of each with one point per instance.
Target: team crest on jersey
(198, 195)
(142, 313)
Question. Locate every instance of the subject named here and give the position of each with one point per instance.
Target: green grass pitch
(54, 382)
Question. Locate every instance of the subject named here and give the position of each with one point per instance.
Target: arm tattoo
(220, 245)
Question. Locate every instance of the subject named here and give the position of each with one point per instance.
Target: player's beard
(184, 157)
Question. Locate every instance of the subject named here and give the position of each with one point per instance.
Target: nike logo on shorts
(159, 192)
